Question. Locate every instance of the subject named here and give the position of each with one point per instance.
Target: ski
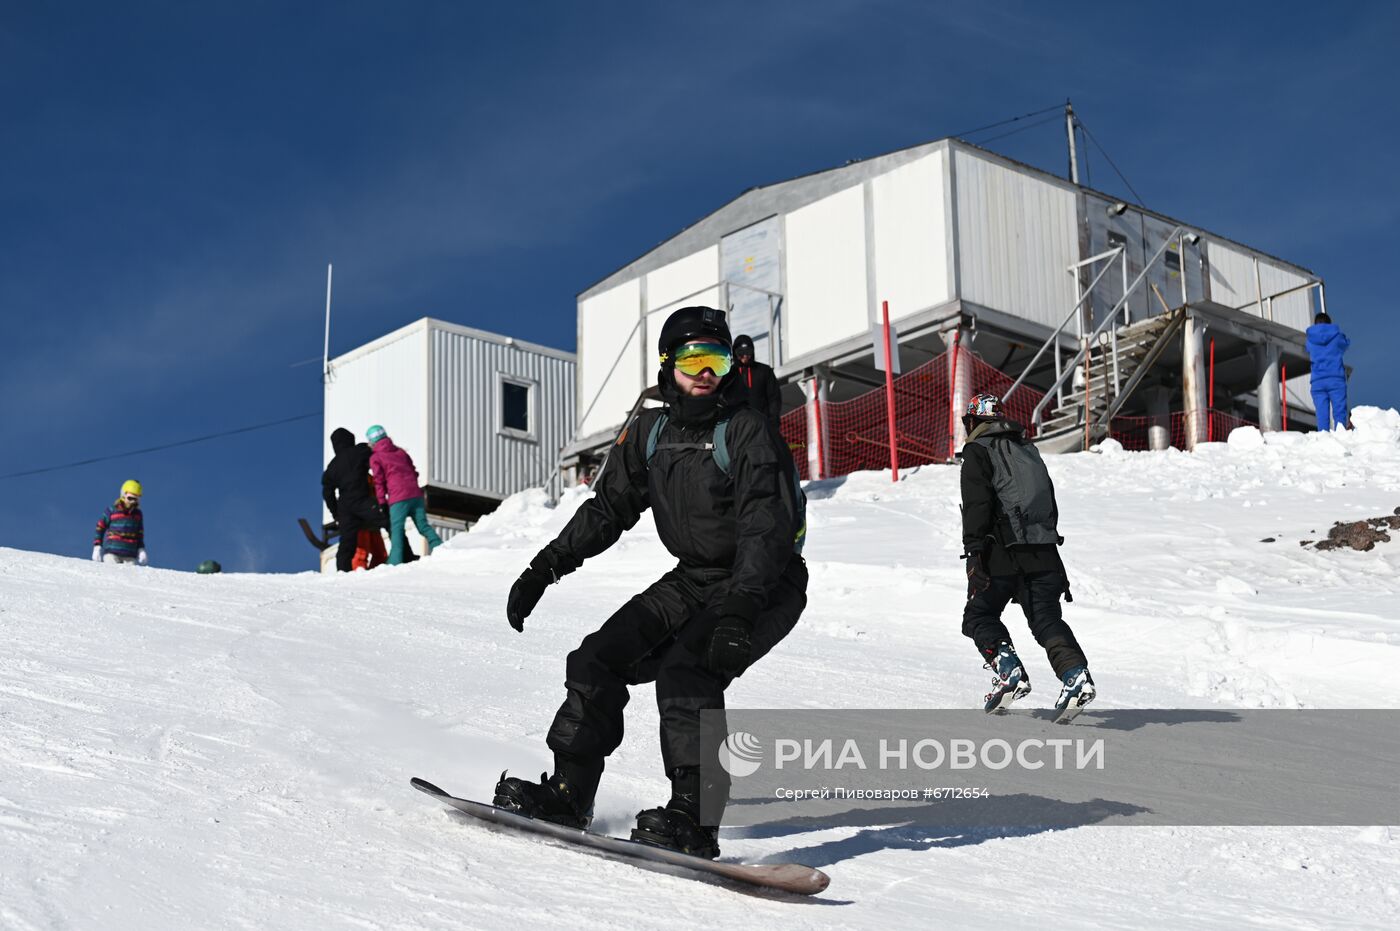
(786, 877)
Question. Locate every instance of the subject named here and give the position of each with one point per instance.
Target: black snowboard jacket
(764, 394)
(985, 525)
(736, 529)
(345, 484)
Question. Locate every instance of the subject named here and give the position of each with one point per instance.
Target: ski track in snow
(234, 751)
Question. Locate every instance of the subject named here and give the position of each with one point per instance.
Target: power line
(1109, 159)
(1019, 129)
(973, 132)
(152, 449)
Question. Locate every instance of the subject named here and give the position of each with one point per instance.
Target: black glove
(978, 580)
(527, 591)
(728, 651)
(721, 636)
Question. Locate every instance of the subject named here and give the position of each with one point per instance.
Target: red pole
(953, 399)
(889, 391)
(1283, 393)
(1210, 402)
(817, 405)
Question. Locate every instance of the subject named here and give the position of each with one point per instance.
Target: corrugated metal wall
(469, 450)
(1232, 284)
(387, 385)
(1017, 236)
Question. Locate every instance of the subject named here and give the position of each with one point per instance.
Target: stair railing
(1054, 337)
(1109, 319)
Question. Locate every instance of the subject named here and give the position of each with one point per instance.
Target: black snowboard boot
(551, 799)
(678, 826)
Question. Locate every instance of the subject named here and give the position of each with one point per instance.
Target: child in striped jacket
(120, 534)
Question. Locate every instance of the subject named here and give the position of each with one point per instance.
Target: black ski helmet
(743, 345)
(690, 323)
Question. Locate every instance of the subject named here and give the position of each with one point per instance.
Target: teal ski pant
(401, 511)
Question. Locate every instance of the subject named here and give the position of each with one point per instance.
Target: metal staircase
(1116, 363)
(1112, 360)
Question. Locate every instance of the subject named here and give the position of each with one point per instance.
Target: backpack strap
(655, 435)
(721, 447)
(717, 446)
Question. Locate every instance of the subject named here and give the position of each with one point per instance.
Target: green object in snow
(209, 567)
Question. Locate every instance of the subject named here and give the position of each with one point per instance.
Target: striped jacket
(119, 531)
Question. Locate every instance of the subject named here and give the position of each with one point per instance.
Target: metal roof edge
(849, 166)
(425, 324)
(500, 339)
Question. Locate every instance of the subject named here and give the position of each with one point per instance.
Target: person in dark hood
(728, 506)
(1011, 543)
(764, 393)
(349, 495)
(1326, 345)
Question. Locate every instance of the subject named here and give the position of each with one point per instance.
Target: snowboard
(786, 877)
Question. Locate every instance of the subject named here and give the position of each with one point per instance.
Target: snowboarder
(764, 394)
(121, 534)
(728, 506)
(1326, 344)
(349, 495)
(396, 483)
(1010, 542)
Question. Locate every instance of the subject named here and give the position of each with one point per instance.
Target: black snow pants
(645, 641)
(1039, 596)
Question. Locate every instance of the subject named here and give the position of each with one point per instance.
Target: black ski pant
(646, 641)
(1038, 593)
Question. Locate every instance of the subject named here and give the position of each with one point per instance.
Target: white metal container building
(482, 415)
(955, 238)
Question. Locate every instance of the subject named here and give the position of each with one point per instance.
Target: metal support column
(1193, 381)
(1266, 362)
(815, 388)
(959, 377)
(1159, 427)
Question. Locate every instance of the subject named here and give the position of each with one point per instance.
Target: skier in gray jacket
(1010, 543)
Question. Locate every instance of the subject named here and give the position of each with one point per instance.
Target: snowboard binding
(677, 830)
(551, 799)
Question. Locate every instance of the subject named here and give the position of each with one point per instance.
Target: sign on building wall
(750, 263)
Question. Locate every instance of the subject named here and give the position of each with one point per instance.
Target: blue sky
(176, 177)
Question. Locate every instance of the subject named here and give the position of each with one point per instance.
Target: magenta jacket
(395, 478)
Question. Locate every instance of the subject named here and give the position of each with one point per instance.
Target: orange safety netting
(856, 432)
(1133, 432)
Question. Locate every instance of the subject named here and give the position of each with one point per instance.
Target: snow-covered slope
(184, 751)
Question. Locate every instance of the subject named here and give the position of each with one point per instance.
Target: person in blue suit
(1326, 344)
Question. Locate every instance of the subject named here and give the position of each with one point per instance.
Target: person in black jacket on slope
(346, 490)
(764, 394)
(738, 587)
(1010, 542)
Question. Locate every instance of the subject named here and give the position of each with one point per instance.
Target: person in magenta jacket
(396, 485)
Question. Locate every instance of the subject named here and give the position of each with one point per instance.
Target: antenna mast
(326, 353)
(1069, 132)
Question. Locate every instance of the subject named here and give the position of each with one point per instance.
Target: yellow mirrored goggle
(694, 358)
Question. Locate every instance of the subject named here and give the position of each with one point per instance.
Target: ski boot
(1011, 682)
(1077, 692)
(551, 799)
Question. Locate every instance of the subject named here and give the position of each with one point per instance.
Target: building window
(517, 407)
(1173, 262)
(1116, 239)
